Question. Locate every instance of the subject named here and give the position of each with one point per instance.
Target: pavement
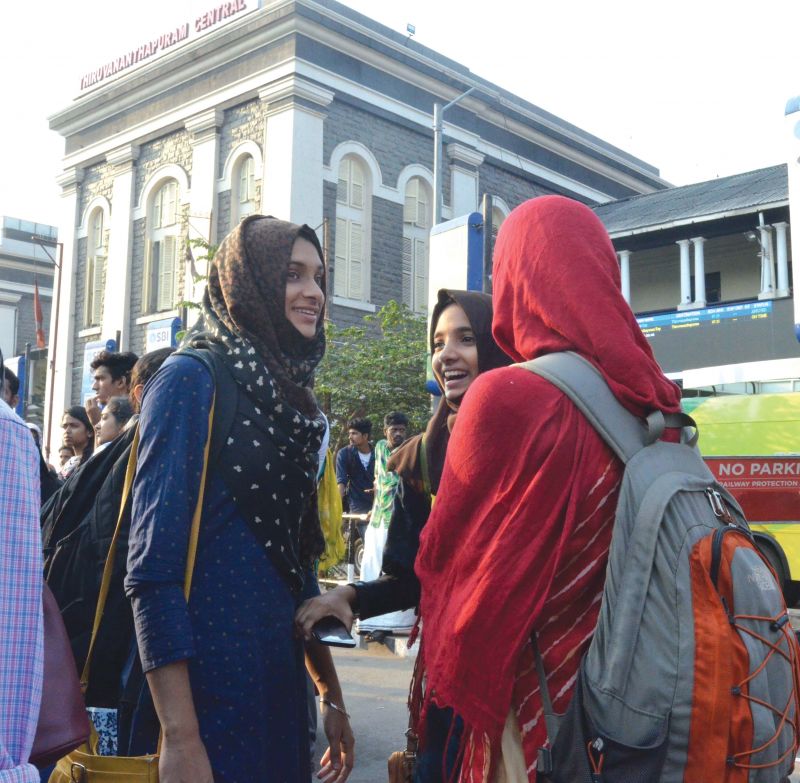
(375, 685)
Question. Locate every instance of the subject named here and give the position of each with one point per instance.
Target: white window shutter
(166, 275)
(251, 179)
(98, 288)
(343, 183)
(422, 208)
(340, 259)
(410, 208)
(356, 287)
(407, 270)
(88, 305)
(243, 180)
(420, 275)
(170, 197)
(356, 186)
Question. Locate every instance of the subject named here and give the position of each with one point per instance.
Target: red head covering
(518, 537)
(557, 288)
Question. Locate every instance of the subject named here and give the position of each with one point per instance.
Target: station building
(305, 110)
(707, 269)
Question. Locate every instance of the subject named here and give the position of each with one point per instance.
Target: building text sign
(204, 22)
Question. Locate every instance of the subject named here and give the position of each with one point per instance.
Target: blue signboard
(90, 350)
(162, 334)
(686, 319)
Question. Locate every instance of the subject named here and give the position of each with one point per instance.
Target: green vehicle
(752, 445)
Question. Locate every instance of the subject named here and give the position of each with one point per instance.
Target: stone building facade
(310, 112)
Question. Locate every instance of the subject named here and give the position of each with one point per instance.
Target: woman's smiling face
(304, 295)
(455, 352)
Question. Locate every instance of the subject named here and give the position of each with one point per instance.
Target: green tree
(376, 368)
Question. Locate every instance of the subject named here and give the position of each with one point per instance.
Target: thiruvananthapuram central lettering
(180, 33)
(223, 11)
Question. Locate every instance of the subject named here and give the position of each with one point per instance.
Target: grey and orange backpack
(692, 675)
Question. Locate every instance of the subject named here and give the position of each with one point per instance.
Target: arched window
(162, 263)
(244, 189)
(416, 227)
(95, 270)
(351, 275)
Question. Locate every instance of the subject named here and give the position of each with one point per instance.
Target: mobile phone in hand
(332, 631)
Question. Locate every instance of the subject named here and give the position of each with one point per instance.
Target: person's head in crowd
(64, 455)
(10, 390)
(36, 433)
(112, 374)
(358, 433)
(113, 419)
(78, 432)
(144, 369)
(395, 428)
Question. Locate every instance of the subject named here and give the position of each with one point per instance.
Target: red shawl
(519, 535)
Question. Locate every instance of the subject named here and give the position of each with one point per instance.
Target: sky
(696, 88)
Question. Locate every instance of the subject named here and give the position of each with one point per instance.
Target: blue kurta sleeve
(172, 432)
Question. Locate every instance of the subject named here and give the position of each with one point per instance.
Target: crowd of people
(494, 522)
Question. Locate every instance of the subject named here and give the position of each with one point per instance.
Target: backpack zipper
(716, 547)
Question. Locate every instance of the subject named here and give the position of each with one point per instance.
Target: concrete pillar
(116, 310)
(292, 184)
(699, 272)
(625, 273)
(686, 281)
(464, 163)
(62, 328)
(204, 131)
(767, 268)
(783, 259)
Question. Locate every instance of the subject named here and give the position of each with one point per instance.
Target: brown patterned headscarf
(269, 463)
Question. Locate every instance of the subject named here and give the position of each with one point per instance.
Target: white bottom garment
(396, 622)
(511, 768)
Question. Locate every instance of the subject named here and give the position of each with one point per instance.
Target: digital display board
(722, 334)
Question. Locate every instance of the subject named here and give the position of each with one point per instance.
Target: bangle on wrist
(329, 703)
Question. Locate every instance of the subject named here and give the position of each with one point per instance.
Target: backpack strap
(624, 433)
(226, 397)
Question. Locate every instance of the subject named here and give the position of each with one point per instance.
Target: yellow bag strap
(194, 533)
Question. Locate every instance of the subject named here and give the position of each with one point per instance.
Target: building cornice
(205, 125)
(461, 154)
(69, 180)
(123, 157)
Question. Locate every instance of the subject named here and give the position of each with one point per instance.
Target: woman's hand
(337, 603)
(184, 760)
(337, 761)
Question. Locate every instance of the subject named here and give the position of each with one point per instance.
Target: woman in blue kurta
(225, 671)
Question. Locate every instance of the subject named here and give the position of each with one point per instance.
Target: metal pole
(26, 381)
(487, 242)
(52, 349)
(437, 163)
(438, 114)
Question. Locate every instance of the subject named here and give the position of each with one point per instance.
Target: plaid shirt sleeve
(21, 640)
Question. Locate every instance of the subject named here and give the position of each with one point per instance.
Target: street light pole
(438, 114)
(53, 339)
